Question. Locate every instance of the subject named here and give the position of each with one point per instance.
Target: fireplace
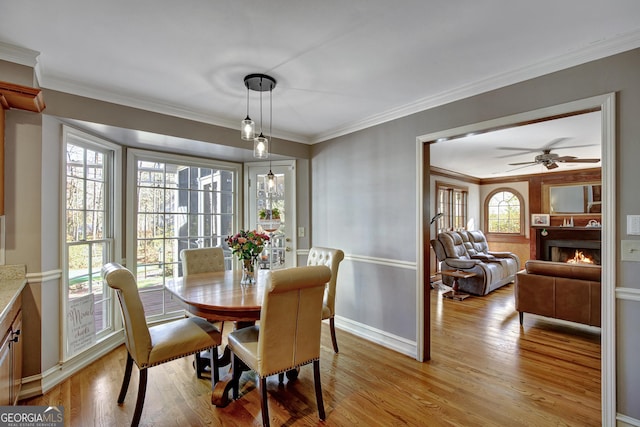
(568, 244)
(577, 254)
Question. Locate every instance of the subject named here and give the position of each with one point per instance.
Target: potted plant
(269, 219)
(269, 214)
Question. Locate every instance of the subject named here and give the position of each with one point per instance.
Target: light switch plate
(633, 224)
(300, 231)
(630, 250)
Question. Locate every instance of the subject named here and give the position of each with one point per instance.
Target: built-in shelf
(13, 96)
(21, 97)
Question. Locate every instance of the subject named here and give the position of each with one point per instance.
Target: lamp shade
(261, 147)
(271, 182)
(248, 129)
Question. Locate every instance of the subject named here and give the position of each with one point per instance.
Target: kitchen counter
(12, 281)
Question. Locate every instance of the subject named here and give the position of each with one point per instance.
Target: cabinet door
(15, 343)
(5, 370)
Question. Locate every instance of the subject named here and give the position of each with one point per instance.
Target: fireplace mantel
(588, 237)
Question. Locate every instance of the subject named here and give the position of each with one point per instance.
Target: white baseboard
(40, 384)
(625, 421)
(385, 339)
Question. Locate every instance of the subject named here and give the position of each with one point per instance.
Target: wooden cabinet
(11, 355)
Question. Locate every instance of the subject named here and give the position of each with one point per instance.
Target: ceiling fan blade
(521, 151)
(552, 143)
(577, 146)
(551, 165)
(522, 163)
(522, 167)
(575, 160)
(564, 158)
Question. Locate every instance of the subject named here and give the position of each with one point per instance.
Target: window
(503, 212)
(452, 202)
(178, 203)
(89, 238)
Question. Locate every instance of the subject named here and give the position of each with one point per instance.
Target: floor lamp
(432, 278)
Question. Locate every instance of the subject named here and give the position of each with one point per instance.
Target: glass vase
(248, 272)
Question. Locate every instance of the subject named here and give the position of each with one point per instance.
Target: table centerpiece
(247, 246)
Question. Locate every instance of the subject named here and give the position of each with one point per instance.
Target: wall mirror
(575, 198)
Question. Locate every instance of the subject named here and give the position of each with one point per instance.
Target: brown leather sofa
(469, 252)
(559, 290)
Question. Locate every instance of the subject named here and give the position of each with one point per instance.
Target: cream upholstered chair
(288, 335)
(151, 346)
(331, 258)
(202, 260)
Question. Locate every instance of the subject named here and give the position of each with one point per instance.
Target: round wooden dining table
(219, 296)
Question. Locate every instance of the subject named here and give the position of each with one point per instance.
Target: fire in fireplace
(580, 258)
(573, 255)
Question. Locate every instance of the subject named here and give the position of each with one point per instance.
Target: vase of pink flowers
(247, 246)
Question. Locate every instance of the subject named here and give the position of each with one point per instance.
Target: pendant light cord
(260, 106)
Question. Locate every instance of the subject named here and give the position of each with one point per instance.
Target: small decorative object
(247, 246)
(593, 223)
(544, 232)
(269, 219)
(540, 220)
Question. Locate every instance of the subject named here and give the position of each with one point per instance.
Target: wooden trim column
(1, 159)
(22, 98)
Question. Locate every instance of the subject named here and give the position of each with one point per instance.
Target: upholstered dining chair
(201, 260)
(288, 335)
(331, 258)
(152, 346)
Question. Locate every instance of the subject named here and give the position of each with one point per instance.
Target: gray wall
(364, 199)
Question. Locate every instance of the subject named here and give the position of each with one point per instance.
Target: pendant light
(259, 83)
(271, 178)
(248, 127)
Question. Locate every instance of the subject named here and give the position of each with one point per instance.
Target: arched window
(504, 212)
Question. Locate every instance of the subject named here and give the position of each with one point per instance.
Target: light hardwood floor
(485, 371)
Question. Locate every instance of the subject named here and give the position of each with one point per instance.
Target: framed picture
(539, 220)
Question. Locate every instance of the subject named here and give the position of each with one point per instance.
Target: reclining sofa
(468, 251)
(559, 290)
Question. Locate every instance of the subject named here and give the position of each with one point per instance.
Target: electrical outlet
(300, 231)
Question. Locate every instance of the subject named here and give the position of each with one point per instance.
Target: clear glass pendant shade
(271, 182)
(248, 129)
(261, 147)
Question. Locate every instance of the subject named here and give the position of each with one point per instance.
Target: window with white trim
(89, 190)
(178, 202)
(503, 212)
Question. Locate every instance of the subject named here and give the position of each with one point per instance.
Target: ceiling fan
(550, 160)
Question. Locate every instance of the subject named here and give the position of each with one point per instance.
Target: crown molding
(594, 51)
(19, 55)
(148, 104)
(599, 50)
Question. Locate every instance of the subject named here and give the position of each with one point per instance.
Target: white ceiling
(492, 154)
(340, 65)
